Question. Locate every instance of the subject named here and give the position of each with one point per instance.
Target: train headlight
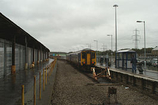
(93, 62)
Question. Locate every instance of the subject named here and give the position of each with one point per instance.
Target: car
(154, 62)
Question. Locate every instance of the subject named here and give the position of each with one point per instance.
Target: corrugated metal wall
(1, 58)
(6, 57)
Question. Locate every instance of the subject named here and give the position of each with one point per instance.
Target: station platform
(151, 74)
(10, 86)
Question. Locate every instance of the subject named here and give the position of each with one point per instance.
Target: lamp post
(111, 47)
(96, 44)
(89, 45)
(111, 41)
(115, 32)
(96, 47)
(144, 43)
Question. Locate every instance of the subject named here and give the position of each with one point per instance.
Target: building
(155, 51)
(59, 55)
(18, 49)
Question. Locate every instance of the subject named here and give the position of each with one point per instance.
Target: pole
(34, 90)
(144, 47)
(46, 76)
(115, 34)
(96, 47)
(22, 95)
(115, 29)
(111, 50)
(43, 81)
(144, 44)
(40, 85)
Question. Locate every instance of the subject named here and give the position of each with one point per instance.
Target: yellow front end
(94, 59)
(88, 59)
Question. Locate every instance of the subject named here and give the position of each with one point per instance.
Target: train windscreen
(83, 55)
(93, 55)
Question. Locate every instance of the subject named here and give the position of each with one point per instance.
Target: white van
(154, 62)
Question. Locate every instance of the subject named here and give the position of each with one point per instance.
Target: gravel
(74, 88)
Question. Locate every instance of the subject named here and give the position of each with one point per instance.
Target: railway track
(101, 74)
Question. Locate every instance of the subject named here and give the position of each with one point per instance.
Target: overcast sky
(70, 25)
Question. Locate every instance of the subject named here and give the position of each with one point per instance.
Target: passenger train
(84, 58)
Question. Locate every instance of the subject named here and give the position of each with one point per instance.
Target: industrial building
(59, 55)
(18, 49)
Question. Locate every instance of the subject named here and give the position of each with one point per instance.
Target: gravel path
(74, 88)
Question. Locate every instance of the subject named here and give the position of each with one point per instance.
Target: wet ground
(10, 86)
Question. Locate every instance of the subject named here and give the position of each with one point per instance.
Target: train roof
(76, 52)
(87, 49)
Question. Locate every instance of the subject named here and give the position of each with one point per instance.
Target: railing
(47, 71)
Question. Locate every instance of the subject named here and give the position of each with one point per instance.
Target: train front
(88, 58)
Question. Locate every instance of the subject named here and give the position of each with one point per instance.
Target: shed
(123, 59)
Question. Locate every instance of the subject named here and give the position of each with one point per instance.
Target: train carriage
(83, 58)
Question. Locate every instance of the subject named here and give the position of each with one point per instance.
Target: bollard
(43, 81)
(46, 76)
(40, 85)
(22, 95)
(94, 74)
(34, 90)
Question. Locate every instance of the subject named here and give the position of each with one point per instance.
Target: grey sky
(68, 25)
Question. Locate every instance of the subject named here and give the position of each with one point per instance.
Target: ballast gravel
(74, 88)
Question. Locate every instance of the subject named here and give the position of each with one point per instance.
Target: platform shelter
(123, 59)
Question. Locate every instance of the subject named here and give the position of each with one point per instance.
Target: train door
(88, 58)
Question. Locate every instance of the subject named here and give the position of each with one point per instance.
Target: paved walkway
(10, 86)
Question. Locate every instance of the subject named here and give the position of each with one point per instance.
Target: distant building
(59, 55)
(155, 51)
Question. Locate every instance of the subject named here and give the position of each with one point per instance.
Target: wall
(6, 57)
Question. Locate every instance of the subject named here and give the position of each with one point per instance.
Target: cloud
(72, 24)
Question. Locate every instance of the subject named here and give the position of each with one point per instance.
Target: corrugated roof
(126, 50)
(156, 48)
(9, 30)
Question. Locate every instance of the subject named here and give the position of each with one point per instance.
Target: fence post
(46, 76)
(43, 81)
(40, 85)
(34, 90)
(22, 95)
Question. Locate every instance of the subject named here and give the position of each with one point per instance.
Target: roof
(156, 48)
(9, 30)
(126, 50)
(87, 49)
(58, 53)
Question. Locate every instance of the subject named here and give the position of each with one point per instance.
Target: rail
(47, 71)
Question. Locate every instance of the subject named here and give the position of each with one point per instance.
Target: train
(84, 58)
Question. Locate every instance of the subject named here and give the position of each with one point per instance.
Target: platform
(10, 86)
(146, 73)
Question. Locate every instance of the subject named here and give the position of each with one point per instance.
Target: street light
(96, 47)
(111, 47)
(111, 41)
(96, 44)
(89, 45)
(144, 43)
(115, 32)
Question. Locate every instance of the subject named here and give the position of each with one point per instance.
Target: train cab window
(83, 55)
(93, 55)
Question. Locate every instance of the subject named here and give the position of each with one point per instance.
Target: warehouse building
(18, 49)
